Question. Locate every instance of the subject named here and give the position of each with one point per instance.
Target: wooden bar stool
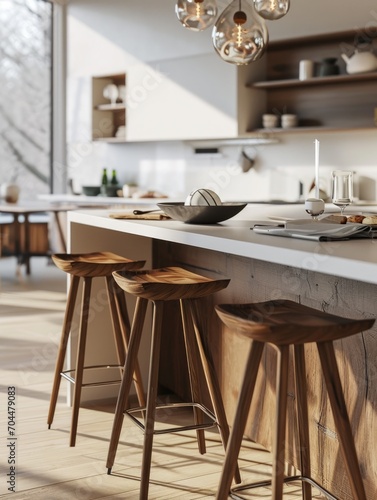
(283, 323)
(158, 286)
(89, 266)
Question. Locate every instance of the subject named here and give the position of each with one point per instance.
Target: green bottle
(104, 181)
(114, 180)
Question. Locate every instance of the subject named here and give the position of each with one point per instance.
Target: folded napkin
(130, 215)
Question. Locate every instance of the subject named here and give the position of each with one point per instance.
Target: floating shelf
(318, 80)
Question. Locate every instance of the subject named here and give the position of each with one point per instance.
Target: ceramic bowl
(193, 214)
(91, 190)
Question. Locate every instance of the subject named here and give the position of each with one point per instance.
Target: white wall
(111, 36)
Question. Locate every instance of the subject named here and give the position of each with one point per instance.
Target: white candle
(316, 143)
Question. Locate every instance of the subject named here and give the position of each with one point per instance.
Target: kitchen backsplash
(174, 169)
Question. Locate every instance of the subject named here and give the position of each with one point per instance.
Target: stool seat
(95, 264)
(282, 324)
(168, 283)
(84, 267)
(159, 286)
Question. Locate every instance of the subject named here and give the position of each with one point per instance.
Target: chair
(159, 286)
(85, 267)
(283, 323)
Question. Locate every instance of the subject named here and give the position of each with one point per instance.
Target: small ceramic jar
(289, 121)
(9, 192)
(269, 121)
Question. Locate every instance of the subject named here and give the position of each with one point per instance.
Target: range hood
(257, 140)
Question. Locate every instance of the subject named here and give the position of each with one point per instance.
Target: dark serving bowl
(201, 214)
(91, 190)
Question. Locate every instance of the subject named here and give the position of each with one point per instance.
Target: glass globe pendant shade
(240, 36)
(196, 15)
(272, 9)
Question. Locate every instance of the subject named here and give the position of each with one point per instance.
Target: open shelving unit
(336, 102)
(108, 117)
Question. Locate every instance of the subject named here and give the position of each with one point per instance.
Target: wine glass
(314, 207)
(342, 188)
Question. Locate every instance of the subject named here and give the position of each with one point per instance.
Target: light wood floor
(31, 312)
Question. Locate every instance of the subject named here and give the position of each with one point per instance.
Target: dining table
(21, 213)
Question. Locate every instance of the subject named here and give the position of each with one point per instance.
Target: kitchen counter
(83, 200)
(356, 259)
(338, 277)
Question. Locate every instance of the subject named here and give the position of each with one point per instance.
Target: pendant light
(272, 9)
(196, 15)
(240, 36)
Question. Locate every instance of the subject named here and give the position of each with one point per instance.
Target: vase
(329, 67)
(9, 192)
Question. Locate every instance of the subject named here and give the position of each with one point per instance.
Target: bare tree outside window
(25, 95)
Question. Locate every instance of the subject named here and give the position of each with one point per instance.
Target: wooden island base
(338, 278)
(253, 281)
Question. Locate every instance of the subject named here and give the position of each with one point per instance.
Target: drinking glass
(342, 188)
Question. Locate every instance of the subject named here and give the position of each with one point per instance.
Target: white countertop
(354, 259)
(79, 199)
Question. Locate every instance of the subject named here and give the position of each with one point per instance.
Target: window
(26, 95)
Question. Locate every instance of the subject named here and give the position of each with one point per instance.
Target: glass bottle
(114, 180)
(104, 181)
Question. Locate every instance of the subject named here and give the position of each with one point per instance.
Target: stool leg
(302, 418)
(239, 424)
(193, 369)
(115, 320)
(129, 368)
(342, 423)
(211, 379)
(79, 372)
(281, 417)
(66, 330)
(151, 398)
(124, 322)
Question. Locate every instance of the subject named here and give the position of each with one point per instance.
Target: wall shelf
(111, 107)
(317, 80)
(322, 103)
(108, 117)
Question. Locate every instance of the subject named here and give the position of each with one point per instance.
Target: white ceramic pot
(289, 121)
(9, 192)
(269, 121)
(129, 190)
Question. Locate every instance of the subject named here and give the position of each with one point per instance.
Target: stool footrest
(204, 425)
(260, 484)
(66, 375)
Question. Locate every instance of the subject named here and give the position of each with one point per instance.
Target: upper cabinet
(202, 97)
(109, 108)
(179, 99)
(327, 101)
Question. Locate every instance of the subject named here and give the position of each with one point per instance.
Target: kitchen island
(338, 277)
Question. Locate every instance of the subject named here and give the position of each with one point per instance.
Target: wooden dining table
(21, 213)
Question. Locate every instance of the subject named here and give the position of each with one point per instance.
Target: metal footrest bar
(66, 375)
(260, 484)
(205, 410)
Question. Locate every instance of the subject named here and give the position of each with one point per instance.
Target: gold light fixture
(240, 34)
